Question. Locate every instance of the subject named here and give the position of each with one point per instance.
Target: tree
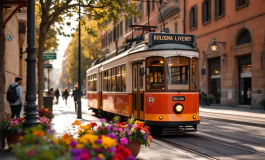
(57, 11)
(2, 62)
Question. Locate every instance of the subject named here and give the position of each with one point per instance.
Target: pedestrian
(14, 97)
(65, 95)
(75, 95)
(57, 95)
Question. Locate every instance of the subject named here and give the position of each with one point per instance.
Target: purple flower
(75, 151)
(145, 137)
(130, 158)
(124, 141)
(76, 157)
(84, 151)
(73, 143)
(112, 150)
(99, 141)
(114, 136)
(130, 126)
(120, 129)
(129, 133)
(99, 150)
(103, 120)
(50, 131)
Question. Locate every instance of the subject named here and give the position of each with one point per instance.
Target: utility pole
(79, 111)
(31, 116)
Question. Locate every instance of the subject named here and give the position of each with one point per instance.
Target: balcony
(168, 9)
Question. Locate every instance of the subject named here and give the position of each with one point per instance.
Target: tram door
(138, 91)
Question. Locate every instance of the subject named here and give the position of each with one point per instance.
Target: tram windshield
(155, 73)
(178, 73)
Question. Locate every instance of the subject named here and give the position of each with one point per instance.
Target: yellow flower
(90, 131)
(66, 138)
(20, 138)
(88, 138)
(108, 142)
(46, 109)
(76, 122)
(84, 127)
(79, 146)
(55, 141)
(39, 133)
(101, 156)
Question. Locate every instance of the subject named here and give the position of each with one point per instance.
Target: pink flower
(124, 141)
(119, 129)
(31, 152)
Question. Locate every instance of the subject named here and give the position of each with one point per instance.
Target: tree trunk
(40, 65)
(2, 63)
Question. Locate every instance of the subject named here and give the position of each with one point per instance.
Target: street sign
(47, 65)
(49, 55)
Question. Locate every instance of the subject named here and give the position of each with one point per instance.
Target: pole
(31, 116)
(79, 112)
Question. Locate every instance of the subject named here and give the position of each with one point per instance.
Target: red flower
(118, 156)
(124, 123)
(93, 124)
(138, 128)
(85, 156)
(31, 152)
(122, 152)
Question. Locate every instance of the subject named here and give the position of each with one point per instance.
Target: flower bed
(90, 141)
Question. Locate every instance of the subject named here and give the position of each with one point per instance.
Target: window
(113, 79)
(105, 81)
(178, 73)
(176, 27)
(118, 79)
(141, 9)
(135, 19)
(109, 80)
(155, 73)
(194, 83)
(244, 37)
(193, 17)
(92, 83)
(153, 5)
(123, 80)
(121, 28)
(241, 3)
(126, 24)
(206, 11)
(219, 8)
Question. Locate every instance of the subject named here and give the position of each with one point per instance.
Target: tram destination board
(163, 38)
(178, 98)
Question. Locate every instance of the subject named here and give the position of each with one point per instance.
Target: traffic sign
(49, 55)
(47, 65)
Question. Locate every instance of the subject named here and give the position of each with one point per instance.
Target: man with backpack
(14, 97)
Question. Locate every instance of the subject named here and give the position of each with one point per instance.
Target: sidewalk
(240, 115)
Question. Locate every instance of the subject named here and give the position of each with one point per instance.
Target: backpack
(11, 95)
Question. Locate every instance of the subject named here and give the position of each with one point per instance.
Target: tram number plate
(178, 98)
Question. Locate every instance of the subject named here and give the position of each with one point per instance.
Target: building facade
(235, 71)
(15, 20)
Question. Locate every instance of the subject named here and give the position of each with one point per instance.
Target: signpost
(49, 56)
(48, 66)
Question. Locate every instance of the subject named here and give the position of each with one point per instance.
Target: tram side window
(90, 83)
(113, 79)
(94, 82)
(123, 80)
(178, 73)
(109, 80)
(195, 66)
(155, 73)
(105, 81)
(118, 79)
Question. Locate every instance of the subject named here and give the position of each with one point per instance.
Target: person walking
(57, 95)
(75, 95)
(65, 95)
(14, 97)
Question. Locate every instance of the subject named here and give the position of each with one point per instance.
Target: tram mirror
(203, 71)
(142, 71)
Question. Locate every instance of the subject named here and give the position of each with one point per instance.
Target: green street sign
(47, 65)
(49, 55)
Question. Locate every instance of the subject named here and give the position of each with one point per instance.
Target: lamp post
(214, 45)
(79, 112)
(31, 116)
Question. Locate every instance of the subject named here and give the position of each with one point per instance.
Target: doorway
(215, 79)
(138, 91)
(245, 74)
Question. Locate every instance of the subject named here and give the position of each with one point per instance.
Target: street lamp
(79, 112)
(214, 45)
(31, 116)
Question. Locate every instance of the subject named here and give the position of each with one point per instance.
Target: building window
(241, 3)
(193, 16)
(244, 37)
(219, 8)
(141, 9)
(176, 27)
(206, 11)
(121, 28)
(153, 5)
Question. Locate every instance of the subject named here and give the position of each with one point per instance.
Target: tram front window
(155, 73)
(178, 73)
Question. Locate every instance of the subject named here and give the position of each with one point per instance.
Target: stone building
(15, 42)
(235, 71)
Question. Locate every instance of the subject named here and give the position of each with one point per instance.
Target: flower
(39, 133)
(76, 122)
(124, 141)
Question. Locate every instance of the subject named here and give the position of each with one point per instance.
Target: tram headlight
(178, 108)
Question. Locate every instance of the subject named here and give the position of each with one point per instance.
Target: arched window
(244, 37)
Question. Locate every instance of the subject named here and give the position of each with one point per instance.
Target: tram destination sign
(163, 38)
(178, 98)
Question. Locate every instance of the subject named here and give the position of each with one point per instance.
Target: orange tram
(154, 80)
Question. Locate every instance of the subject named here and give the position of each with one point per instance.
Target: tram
(155, 81)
